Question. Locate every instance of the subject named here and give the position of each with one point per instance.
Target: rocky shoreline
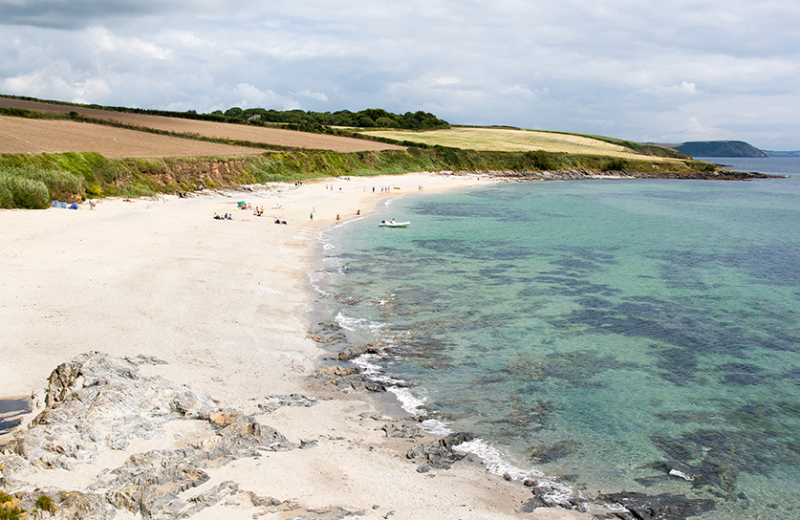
(583, 175)
(99, 403)
(443, 453)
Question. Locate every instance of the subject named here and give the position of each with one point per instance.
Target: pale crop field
(511, 140)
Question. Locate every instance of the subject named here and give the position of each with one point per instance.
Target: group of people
(227, 216)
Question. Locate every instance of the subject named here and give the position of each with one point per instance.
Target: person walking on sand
(311, 216)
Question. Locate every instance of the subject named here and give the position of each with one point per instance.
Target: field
(254, 134)
(512, 140)
(19, 135)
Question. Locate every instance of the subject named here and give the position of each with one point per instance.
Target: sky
(667, 72)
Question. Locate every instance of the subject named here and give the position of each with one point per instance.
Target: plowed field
(255, 134)
(19, 135)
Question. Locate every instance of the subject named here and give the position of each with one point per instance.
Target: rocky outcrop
(659, 507)
(350, 378)
(580, 174)
(98, 402)
(439, 454)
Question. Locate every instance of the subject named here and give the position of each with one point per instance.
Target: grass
(31, 181)
(29, 186)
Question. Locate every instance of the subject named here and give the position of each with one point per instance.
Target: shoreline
(224, 304)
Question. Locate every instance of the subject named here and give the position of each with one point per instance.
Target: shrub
(9, 508)
(45, 503)
(61, 184)
(19, 192)
(614, 164)
(542, 160)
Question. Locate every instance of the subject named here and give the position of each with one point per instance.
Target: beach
(224, 303)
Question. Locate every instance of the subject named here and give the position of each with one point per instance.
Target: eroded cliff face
(222, 172)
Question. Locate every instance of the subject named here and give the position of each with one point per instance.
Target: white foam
(348, 222)
(496, 462)
(435, 427)
(353, 324)
(408, 401)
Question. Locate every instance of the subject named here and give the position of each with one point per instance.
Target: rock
(66, 505)
(337, 371)
(354, 352)
(552, 453)
(274, 402)
(440, 454)
(404, 431)
(530, 505)
(97, 402)
(141, 359)
(660, 507)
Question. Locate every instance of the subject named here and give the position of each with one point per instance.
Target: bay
(602, 332)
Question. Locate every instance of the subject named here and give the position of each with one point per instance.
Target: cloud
(313, 95)
(617, 67)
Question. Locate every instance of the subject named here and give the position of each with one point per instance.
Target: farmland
(19, 135)
(188, 127)
(512, 140)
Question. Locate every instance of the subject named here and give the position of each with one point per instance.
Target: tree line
(369, 118)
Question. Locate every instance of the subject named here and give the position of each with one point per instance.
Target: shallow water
(605, 332)
(11, 411)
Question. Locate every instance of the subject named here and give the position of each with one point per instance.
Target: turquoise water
(602, 332)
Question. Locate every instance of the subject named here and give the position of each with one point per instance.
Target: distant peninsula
(719, 149)
(772, 153)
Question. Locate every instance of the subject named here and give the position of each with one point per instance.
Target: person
(311, 216)
(337, 216)
(358, 212)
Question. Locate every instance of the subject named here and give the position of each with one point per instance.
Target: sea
(608, 335)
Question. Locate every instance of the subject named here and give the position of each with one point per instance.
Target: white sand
(224, 303)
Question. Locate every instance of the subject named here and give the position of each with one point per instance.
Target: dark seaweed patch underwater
(636, 336)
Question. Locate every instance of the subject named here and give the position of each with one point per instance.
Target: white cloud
(251, 96)
(313, 95)
(110, 43)
(685, 88)
(518, 91)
